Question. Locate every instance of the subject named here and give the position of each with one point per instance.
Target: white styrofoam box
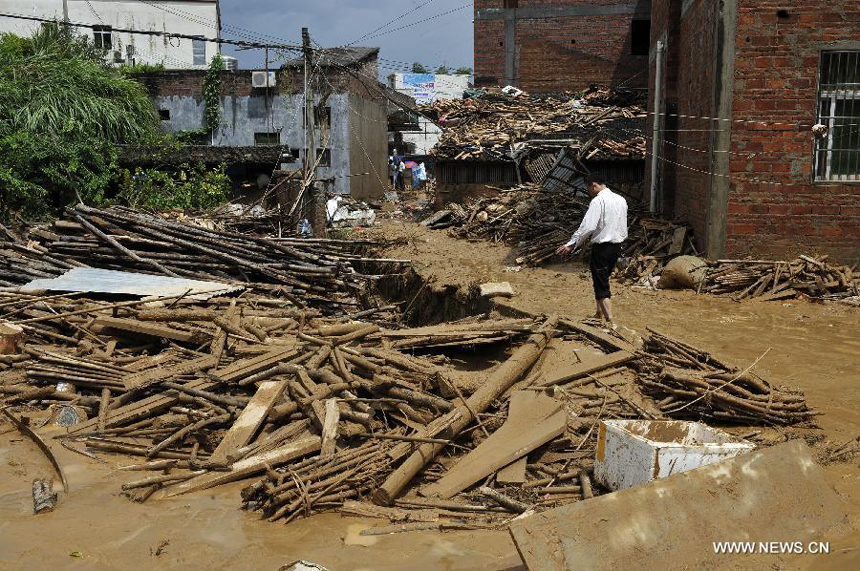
(633, 452)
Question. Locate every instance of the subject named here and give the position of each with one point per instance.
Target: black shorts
(603, 259)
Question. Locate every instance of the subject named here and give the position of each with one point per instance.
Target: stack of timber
(651, 244)
(331, 274)
(689, 383)
(772, 280)
(497, 126)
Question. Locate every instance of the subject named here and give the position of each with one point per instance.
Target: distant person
(392, 172)
(400, 168)
(606, 223)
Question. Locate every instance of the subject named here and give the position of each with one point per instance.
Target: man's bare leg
(605, 307)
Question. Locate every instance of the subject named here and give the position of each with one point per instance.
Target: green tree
(63, 111)
(463, 71)
(442, 70)
(418, 67)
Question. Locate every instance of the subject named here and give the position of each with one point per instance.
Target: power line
(400, 17)
(156, 33)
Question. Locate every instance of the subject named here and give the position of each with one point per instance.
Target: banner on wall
(422, 86)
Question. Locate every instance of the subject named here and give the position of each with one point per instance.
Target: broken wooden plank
(603, 339)
(150, 329)
(502, 448)
(248, 467)
(586, 368)
(329, 430)
(246, 426)
(242, 368)
(515, 473)
(167, 373)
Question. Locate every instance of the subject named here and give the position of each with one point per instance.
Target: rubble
(502, 126)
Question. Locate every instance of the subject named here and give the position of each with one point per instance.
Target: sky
(446, 37)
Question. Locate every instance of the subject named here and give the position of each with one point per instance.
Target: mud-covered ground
(812, 346)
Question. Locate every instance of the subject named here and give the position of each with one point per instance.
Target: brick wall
(556, 51)
(776, 80)
(689, 87)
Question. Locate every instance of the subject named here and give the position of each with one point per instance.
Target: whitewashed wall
(199, 18)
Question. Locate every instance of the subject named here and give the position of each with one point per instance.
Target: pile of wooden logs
(329, 414)
(312, 272)
(772, 280)
(651, 244)
(689, 383)
(490, 126)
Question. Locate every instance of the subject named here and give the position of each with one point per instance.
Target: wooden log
(249, 466)
(498, 382)
(503, 500)
(329, 429)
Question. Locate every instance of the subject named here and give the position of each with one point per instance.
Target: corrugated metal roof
(95, 280)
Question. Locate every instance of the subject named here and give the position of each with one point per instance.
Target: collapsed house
(506, 138)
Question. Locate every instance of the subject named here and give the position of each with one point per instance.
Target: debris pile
(319, 272)
(689, 383)
(773, 280)
(497, 126)
(536, 222)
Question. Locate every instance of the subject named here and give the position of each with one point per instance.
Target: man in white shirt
(605, 223)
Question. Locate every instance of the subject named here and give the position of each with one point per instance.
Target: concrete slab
(776, 494)
(493, 289)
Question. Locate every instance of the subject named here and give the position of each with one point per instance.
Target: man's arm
(586, 227)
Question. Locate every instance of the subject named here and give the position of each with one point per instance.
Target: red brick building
(743, 82)
(555, 45)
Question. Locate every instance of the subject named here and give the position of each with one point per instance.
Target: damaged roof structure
(507, 137)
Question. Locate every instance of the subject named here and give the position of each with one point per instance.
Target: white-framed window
(198, 47)
(837, 154)
(102, 37)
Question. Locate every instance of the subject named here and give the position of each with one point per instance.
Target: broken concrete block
(492, 289)
(44, 497)
(634, 452)
(776, 494)
(11, 337)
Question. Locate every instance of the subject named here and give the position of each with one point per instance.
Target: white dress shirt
(605, 221)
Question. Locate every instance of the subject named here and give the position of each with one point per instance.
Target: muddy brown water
(812, 346)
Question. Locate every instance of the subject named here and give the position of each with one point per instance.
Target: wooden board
(238, 370)
(603, 339)
(246, 426)
(248, 467)
(677, 240)
(138, 409)
(543, 420)
(150, 329)
(588, 367)
(515, 472)
(169, 373)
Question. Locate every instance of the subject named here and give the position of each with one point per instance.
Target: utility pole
(310, 155)
(65, 10)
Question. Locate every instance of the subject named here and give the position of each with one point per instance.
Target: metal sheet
(96, 280)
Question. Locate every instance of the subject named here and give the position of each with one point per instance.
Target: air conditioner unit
(259, 79)
(230, 63)
(117, 57)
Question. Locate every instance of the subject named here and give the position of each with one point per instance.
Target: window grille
(267, 139)
(837, 154)
(198, 46)
(102, 37)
